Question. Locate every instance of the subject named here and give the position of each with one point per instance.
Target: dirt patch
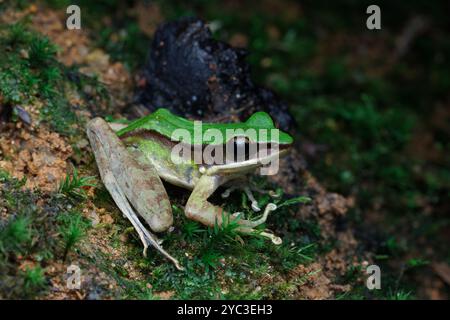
(94, 283)
(34, 151)
(38, 155)
(311, 281)
(76, 49)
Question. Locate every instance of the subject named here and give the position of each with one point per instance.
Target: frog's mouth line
(240, 151)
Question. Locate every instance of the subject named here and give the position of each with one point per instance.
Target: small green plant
(16, 233)
(416, 262)
(72, 230)
(42, 52)
(192, 229)
(4, 175)
(296, 200)
(34, 278)
(73, 186)
(18, 34)
(399, 295)
(289, 256)
(210, 259)
(226, 230)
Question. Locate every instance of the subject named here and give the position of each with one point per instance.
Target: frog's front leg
(198, 208)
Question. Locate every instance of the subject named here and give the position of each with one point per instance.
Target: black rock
(194, 75)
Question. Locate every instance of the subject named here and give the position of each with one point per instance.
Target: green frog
(132, 159)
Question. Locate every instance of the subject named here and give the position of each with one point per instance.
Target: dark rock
(195, 75)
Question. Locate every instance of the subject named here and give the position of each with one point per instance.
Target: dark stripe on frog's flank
(144, 134)
(165, 123)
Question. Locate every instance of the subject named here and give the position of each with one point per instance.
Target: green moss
(219, 263)
(73, 185)
(73, 229)
(34, 279)
(31, 232)
(29, 72)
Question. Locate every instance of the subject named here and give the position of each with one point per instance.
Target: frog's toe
(237, 215)
(255, 206)
(275, 240)
(254, 223)
(228, 191)
(274, 194)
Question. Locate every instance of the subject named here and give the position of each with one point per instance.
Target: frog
(134, 158)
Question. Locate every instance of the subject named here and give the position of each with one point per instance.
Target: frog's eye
(238, 149)
(240, 142)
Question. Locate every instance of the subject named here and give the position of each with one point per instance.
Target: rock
(197, 76)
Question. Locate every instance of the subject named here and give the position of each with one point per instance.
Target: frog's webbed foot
(272, 193)
(106, 146)
(266, 234)
(251, 224)
(199, 209)
(247, 191)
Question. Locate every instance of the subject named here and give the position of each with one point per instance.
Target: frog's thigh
(198, 208)
(137, 180)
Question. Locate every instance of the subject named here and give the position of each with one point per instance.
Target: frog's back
(259, 126)
(161, 121)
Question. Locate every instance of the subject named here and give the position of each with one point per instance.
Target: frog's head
(245, 146)
(255, 143)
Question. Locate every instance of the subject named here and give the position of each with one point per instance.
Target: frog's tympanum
(133, 159)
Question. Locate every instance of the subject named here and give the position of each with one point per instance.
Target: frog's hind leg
(103, 143)
(147, 238)
(199, 209)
